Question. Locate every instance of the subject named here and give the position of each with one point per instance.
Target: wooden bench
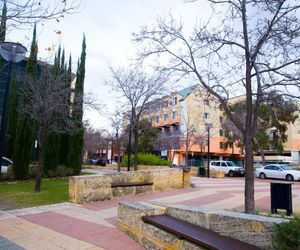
(196, 234)
(131, 184)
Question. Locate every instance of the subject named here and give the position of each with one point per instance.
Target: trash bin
(281, 197)
(202, 171)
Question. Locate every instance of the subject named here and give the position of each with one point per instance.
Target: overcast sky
(108, 26)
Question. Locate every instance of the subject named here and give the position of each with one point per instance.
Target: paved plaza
(93, 226)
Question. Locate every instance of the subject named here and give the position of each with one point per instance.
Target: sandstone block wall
(194, 171)
(217, 174)
(91, 188)
(253, 229)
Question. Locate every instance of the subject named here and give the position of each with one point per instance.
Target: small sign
(164, 153)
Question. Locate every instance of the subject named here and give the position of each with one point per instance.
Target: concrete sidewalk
(93, 226)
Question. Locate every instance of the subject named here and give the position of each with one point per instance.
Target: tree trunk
(173, 156)
(39, 170)
(263, 158)
(119, 156)
(249, 177)
(186, 157)
(136, 148)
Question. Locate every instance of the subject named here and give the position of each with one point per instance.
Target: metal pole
(4, 112)
(129, 144)
(208, 150)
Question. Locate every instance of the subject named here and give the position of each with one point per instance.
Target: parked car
(5, 163)
(101, 162)
(93, 161)
(278, 171)
(228, 167)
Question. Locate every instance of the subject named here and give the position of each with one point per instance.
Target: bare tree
(251, 48)
(27, 12)
(189, 129)
(170, 143)
(201, 141)
(116, 136)
(92, 139)
(48, 107)
(139, 89)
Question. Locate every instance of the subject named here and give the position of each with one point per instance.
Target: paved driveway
(93, 226)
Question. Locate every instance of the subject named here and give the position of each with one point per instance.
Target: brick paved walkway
(93, 226)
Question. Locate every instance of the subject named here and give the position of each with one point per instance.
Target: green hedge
(146, 159)
(287, 235)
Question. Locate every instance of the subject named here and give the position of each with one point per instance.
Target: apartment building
(183, 119)
(291, 151)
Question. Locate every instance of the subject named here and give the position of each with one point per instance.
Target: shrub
(32, 171)
(146, 159)
(63, 171)
(287, 235)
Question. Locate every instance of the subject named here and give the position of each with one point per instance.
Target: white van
(228, 167)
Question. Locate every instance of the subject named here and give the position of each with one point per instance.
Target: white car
(5, 163)
(228, 167)
(278, 171)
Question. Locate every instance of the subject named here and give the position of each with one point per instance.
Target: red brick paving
(146, 197)
(204, 200)
(96, 234)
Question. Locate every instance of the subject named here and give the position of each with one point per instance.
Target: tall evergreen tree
(3, 23)
(74, 159)
(64, 141)
(52, 144)
(24, 141)
(12, 119)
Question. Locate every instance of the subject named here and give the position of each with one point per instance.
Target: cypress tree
(24, 141)
(12, 119)
(74, 159)
(52, 144)
(65, 137)
(3, 23)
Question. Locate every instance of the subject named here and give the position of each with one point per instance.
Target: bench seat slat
(198, 235)
(131, 184)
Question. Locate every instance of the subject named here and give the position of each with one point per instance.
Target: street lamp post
(12, 53)
(208, 127)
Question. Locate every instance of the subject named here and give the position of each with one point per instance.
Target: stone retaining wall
(141, 167)
(253, 229)
(91, 188)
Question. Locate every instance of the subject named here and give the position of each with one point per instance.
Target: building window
(165, 104)
(206, 102)
(221, 119)
(167, 131)
(221, 132)
(174, 101)
(174, 114)
(157, 118)
(160, 132)
(176, 130)
(221, 145)
(206, 115)
(150, 120)
(165, 117)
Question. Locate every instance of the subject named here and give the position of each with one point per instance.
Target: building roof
(187, 91)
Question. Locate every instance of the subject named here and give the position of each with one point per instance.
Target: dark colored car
(180, 166)
(101, 162)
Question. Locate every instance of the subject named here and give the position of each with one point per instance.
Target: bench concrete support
(91, 188)
(252, 229)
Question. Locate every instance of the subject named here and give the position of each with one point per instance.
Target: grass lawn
(22, 194)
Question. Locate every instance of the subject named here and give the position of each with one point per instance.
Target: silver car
(5, 163)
